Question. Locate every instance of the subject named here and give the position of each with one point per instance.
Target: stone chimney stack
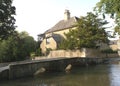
(66, 15)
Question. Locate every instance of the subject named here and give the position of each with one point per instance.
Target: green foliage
(88, 32)
(48, 51)
(23, 34)
(32, 55)
(7, 20)
(16, 48)
(117, 29)
(108, 51)
(63, 45)
(109, 7)
(8, 49)
(38, 52)
(28, 45)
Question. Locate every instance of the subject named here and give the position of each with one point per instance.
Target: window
(47, 40)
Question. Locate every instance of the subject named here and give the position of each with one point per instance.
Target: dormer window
(41, 37)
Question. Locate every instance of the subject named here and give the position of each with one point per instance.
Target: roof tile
(63, 24)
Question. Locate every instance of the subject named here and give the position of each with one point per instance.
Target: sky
(37, 16)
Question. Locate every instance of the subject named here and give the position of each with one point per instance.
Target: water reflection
(101, 75)
(115, 75)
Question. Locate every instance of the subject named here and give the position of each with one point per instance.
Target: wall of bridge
(34, 68)
(37, 67)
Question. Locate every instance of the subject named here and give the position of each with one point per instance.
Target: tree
(117, 29)
(88, 32)
(7, 21)
(111, 7)
(29, 45)
(17, 47)
(23, 34)
(26, 45)
(9, 50)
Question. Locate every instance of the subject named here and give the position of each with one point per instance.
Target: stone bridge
(33, 68)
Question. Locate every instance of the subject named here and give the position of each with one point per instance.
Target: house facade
(53, 36)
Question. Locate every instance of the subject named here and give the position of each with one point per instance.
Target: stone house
(53, 36)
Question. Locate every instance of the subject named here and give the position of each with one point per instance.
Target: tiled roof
(63, 24)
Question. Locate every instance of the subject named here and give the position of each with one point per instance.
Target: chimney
(66, 15)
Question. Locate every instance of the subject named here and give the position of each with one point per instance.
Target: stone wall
(79, 53)
(66, 53)
(4, 75)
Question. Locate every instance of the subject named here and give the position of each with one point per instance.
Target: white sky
(37, 16)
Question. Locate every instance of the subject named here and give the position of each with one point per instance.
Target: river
(99, 75)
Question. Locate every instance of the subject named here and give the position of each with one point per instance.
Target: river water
(99, 75)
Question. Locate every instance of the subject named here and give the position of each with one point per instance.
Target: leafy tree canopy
(111, 7)
(17, 47)
(88, 33)
(7, 21)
